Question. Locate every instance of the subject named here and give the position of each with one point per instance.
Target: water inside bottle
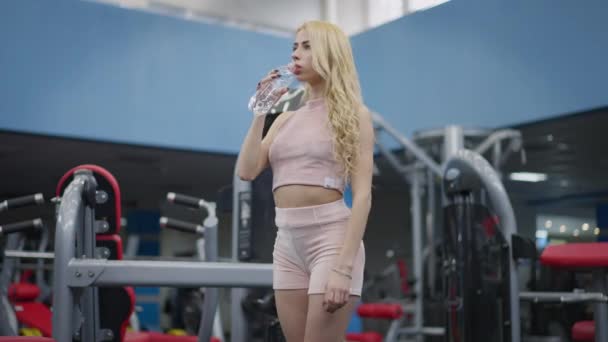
(269, 94)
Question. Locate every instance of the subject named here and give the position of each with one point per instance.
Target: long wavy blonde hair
(332, 59)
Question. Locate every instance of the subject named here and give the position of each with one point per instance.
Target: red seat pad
(594, 254)
(35, 315)
(583, 331)
(158, 337)
(23, 292)
(26, 339)
(364, 337)
(380, 310)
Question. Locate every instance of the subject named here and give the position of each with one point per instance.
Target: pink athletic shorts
(308, 241)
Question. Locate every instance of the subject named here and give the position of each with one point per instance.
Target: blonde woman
(318, 256)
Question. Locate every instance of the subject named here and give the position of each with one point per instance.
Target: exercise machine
(78, 269)
(10, 319)
(206, 250)
(480, 260)
(420, 164)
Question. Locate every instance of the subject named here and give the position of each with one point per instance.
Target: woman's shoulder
(364, 112)
(285, 115)
(281, 118)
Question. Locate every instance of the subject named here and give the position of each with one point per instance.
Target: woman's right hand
(268, 78)
(272, 75)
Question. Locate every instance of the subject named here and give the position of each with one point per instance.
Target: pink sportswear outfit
(309, 238)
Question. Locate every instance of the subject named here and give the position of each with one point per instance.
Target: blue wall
(82, 69)
(486, 62)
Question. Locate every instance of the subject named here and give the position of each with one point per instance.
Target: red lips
(297, 69)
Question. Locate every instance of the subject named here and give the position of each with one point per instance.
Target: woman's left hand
(337, 291)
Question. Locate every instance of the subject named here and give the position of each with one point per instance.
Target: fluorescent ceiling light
(527, 177)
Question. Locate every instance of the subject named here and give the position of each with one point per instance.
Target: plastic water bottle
(263, 100)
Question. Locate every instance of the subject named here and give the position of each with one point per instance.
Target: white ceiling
(283, 17)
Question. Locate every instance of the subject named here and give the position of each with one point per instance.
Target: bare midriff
(295, 196)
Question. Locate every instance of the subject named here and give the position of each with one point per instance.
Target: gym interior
(128, 116)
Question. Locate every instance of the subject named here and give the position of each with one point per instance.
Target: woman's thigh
(292, 309)
(322, 326)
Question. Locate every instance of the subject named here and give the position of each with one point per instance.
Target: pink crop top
(302, 150)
